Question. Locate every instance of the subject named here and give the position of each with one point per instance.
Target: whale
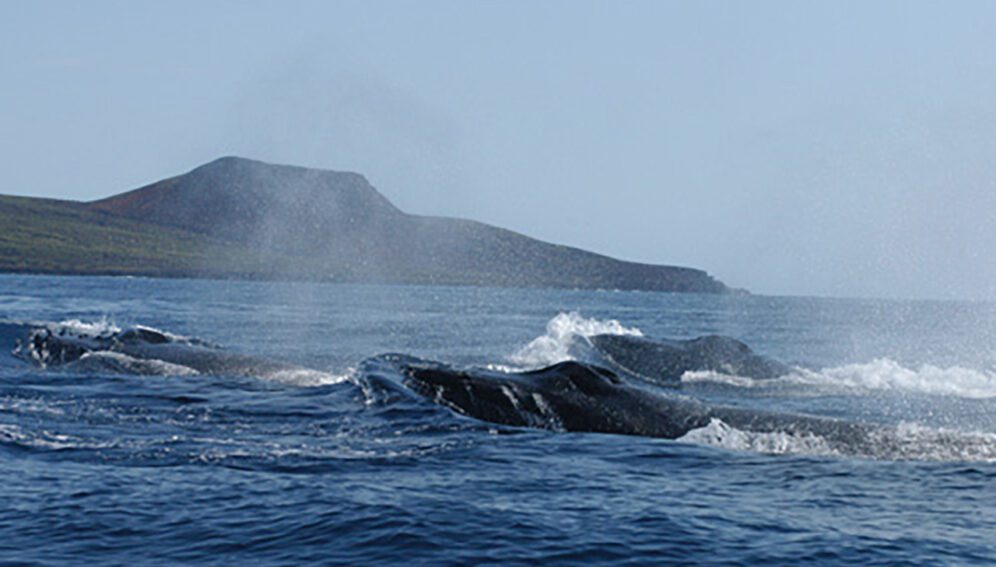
(568, 396)
(665, 361)
(576, 397)
(142, 350)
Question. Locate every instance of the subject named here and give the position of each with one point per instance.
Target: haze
(839, 148)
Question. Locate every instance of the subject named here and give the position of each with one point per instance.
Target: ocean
(111, 460)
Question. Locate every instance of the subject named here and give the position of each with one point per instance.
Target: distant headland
(240, 218)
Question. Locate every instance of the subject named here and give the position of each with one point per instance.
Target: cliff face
(252, 219)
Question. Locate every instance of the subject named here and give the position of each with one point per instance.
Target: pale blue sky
(840, 148)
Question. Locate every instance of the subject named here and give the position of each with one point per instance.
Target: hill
(235, 217)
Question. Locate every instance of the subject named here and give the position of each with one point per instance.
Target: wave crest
(907, 441)
(561, 334)
(719, 434)
(881, 374)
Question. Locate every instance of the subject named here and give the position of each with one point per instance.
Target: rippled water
(116, 467)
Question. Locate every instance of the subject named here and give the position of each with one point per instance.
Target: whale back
(572, 396)
(139, 350)
(664, 361)
(569, 396)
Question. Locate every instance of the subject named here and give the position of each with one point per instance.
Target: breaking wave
(719, 434)
(882, 374)
(307, 377)
(561, 336)
(907, 441)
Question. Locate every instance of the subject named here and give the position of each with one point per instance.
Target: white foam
(506, 368)
(561, 332)
(44, 439)
(908, 441)
(701, 376)
(877, 375)
(102, 327)
(911, 441)
(719, 434)
(11, 404)
(885, 374)
(308, 378)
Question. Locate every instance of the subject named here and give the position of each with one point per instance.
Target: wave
(719, 434)
(307, 377)
(907, 441)
(562, 333)
(881, 374)
(16, 436)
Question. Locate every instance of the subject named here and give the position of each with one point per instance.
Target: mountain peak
(231, 162)
(241, 165)
(234, 194)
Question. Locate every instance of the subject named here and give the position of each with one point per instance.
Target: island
(246, 219)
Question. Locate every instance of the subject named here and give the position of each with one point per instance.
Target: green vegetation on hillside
(50, 236)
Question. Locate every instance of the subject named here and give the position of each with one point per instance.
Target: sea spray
(561, 334)
(906, 441)
(881, 374)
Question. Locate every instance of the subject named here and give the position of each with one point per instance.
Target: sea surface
(157, 464)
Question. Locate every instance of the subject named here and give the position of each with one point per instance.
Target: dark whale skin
(572, 396)
(569, 396)
(61, 349)
(664, 361)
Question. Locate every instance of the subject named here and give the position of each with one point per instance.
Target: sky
(789, 148)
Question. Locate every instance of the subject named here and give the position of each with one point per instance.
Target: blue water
(119, 468)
